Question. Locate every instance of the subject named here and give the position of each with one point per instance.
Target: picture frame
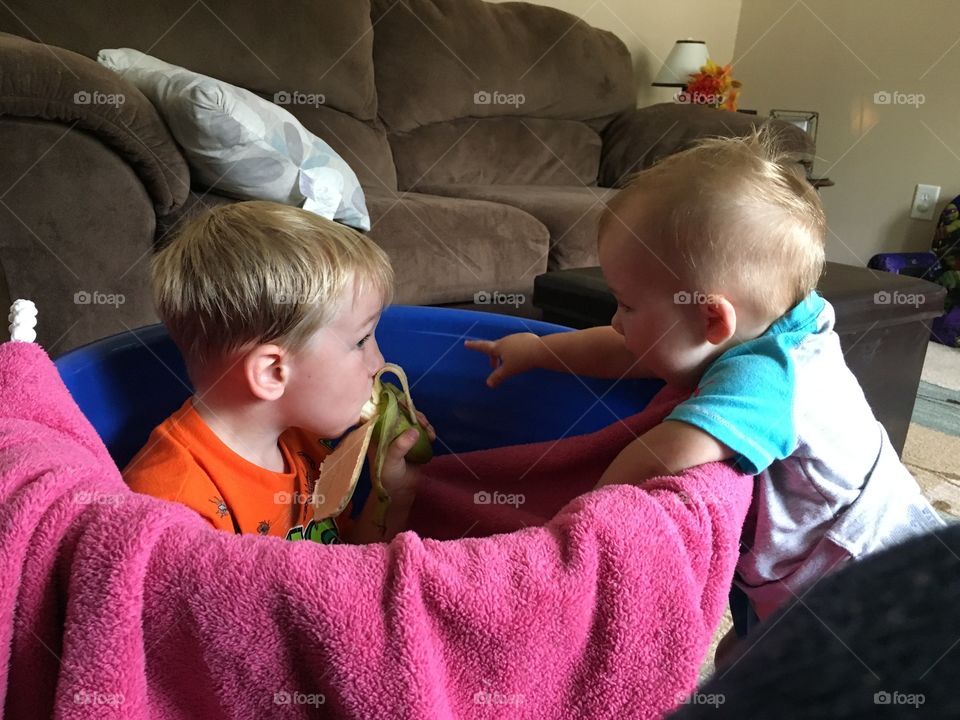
(806, 120)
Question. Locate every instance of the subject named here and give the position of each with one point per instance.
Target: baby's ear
(265, 371)
(720, 317)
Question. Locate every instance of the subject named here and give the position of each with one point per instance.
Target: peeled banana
(388, 414)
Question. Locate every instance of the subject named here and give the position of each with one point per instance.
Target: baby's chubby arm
(597, 352)
(667, 449)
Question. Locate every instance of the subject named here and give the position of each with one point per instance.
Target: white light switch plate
(925, 202)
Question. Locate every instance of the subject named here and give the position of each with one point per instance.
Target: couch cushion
(322, 46)
(640, 138)
(438, 60)
(445, 250)
(570, 214)
(484, 151)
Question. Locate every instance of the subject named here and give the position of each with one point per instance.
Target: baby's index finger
(483, 345)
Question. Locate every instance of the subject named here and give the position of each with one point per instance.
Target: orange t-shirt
(186, 462)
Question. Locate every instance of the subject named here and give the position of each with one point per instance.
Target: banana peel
(388, 414)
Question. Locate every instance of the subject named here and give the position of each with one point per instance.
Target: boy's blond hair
(257, 272)
(732, 216)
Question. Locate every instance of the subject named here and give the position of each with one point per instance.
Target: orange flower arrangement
(713, 85)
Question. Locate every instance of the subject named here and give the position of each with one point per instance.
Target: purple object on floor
(946, 328)
(915, 264)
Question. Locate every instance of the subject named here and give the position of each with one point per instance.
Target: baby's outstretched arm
(597, 352)
(667, 449)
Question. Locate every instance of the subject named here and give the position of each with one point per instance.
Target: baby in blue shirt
(713, 255)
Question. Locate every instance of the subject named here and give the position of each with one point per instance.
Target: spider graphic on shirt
(221, 506)
(264, 527)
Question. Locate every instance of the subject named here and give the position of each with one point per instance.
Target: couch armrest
(49, 83)
(636, 139)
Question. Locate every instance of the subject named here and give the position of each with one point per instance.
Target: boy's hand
(509, 356)
(396, 477)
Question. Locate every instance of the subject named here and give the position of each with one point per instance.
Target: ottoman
(883, 321)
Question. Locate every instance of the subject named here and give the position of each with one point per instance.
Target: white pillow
(241, 144)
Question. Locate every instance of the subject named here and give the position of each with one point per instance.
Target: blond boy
(713, 256)
(274, 311)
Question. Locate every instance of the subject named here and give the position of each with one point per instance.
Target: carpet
(932, 449)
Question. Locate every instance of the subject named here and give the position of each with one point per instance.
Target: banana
(388, 414)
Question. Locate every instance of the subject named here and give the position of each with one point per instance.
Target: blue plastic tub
(128, 383)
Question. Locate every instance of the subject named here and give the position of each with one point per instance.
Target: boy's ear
(266, 372)
(720, 317)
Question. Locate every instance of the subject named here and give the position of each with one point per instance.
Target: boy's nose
(615, 322)
(376, 360)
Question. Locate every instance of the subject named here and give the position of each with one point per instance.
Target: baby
(713, 256)
(274, 310)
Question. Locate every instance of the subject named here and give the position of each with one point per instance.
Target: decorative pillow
(241, 144)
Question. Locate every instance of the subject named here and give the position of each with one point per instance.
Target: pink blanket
(119, 605)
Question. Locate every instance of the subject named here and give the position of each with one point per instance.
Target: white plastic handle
(23, 320)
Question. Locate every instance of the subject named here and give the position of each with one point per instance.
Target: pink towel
(119, 605)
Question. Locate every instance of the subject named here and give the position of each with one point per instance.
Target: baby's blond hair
(732, 215)
(257, 272)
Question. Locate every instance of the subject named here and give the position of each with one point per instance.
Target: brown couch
(486, 136)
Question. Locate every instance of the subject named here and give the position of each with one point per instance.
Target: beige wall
(650, 27)
(832, 56)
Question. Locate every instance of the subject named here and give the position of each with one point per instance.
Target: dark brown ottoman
(884, 338)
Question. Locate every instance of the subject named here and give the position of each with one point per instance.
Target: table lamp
(686, 57)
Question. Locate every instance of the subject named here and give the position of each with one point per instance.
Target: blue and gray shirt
(829, 486)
